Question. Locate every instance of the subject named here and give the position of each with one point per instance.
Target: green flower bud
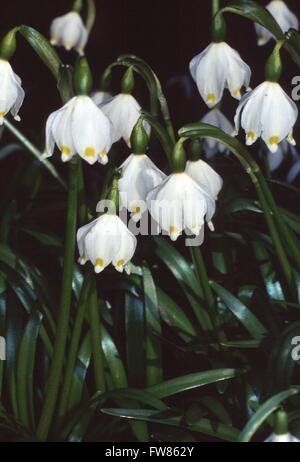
(281, 423)
(273, 69)
(139, 138)
(77, 6)
(127, 84)
(8, 44)
(113, 192)
(82, 78)
(218, 28)
(196, 149)
(178, 159)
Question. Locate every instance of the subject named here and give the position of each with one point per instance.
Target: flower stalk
(64, 308)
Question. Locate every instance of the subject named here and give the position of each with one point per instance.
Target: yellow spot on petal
(89, 152)
(65, 153)
(273, 140)
(211, 98)
(99, 262)
(1, 114)
(68, 45)
(251, 136)
(120, 263)
(237, 91)
(103, 153)
(136, 209)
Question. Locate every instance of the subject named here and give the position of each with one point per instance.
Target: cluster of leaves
(167, 377)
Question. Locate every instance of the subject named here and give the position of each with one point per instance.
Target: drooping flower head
(283, 15)
(205, 176)
(267, 112)
(11, 91)
(79, 127)
(69, 31)
(106, 241)
(218, 67)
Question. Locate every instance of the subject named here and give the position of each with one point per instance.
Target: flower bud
(178, 160)
(273, 69)
(82, 78)
(196, 150)
(281, 423)
(77, 6)
(105, 80)
(127, 84)
(139, 138)
(8, 45)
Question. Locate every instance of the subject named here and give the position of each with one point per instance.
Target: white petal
(126, 249)
(205, 176)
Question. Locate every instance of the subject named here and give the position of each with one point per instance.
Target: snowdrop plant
(87, 360)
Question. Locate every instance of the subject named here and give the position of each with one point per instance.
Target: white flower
(101, 97)
(106, 240)
(218, 67)
(286, 438)
(269, 113)
(11, 92)
(283, 15)
(178, 204)
(205, 176)
(69, 31)
(79, 127)
(139, 176)
(216, 118)
(124, 111)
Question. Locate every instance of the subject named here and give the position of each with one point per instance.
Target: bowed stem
(64, 308)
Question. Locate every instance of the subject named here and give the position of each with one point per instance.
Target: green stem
(74, 346)
(95, 324)
(277, 242)
(34, 150)
(291, 241)
(208, 293)
(64, 309)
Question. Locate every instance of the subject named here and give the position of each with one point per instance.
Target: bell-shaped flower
(285, 438)
(283, 15)
(11, 91)
(123, 111)
(69, 31)
(79, 127)
(267, 112)
(218, 67)
(216, 118)
(180, 204)
(106, 241)
(205, 176)
(139, 176)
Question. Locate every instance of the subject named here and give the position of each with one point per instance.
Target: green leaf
(241, 312)
(113, 360)
(175, 317)
(134, 323)
(44, 238)
(256, 13)
(43, 49)
(9, 149)
(264, 411)
(190, 381)
(205, 426)
(153, 330)
(25, 371)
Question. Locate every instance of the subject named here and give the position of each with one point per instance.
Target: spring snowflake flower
(283, 15)
(267, 112)
(104, 241)
(11, 91)
(69, 31)
(139, 176)
(218, 67)
(124, 111)
(286, 438)
(180, 204)
(216, 118)
(79, 127)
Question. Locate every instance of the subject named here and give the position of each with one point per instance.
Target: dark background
(167, 34)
